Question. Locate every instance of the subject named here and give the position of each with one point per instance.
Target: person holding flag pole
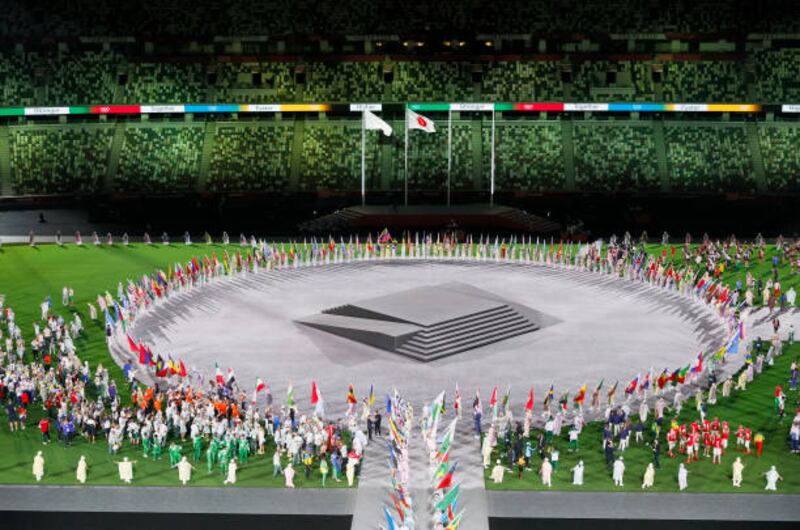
(413, 121)
(369, 122)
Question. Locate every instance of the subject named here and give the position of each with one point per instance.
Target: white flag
(372, 122)
(418, 121)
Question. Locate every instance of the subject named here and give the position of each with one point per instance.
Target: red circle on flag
(421, 121)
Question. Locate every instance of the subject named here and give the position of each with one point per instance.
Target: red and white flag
(418, 121)
(314, 393)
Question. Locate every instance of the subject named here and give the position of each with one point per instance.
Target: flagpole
(491, 183)
(405, 157)
(363, 144)
(449, 151)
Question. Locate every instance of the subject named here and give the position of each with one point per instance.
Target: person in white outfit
(231, 478)
(772, 479)
(649, 476)
(185, 471)
(81, 472)
(619, 472)
(683, 477)
(577, 474)
(38, 466)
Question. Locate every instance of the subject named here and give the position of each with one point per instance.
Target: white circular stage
(590, 327)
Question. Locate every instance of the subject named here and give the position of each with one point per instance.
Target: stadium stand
(528, 156)
(80, 79)
(159, 159)
(344, 82)
(522, 81)
(16, 81)
(779, 148)
(704, 81)
(250, 158)
(777, 75)
(611, 157)
(434, 81)
(51, 160)
(331, 157)
(709, 158)
(165, 83)
(235, 83)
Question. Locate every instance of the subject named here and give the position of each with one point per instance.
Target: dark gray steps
(476, 342)
(458, 340)
(469, 329)
(447, 324)
(473, 324)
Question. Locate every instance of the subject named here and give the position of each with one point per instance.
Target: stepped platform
(428, 323)
(467, 216)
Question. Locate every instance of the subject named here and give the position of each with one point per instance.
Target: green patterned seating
(331, 157)
(777, 76)
(528, 157)
(522, 81)
(249, 158)
(235, 83)
(704, 82)
(614, 157)
(59, 159)
(16, 80)
(166, 83)
(712, 158)
(344, 82)
(162, 159)
(436, 81)
(83, 79)
(779, 149)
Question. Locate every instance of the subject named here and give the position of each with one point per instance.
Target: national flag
(447, 481)
(371, 399)
(374, 123)
(133, 346)
(613, 389)
(681, 377)
(645, 384)
(290, 396)
(455, 521)
(493, 399)
(260, 385)
(161, 367)
(548, 398)
(457, 399)
(631, 388)
(449, 499)
(230, 377)
(418, 121)
(663, 378)
(698, 368)
(581, 396)
(390, 524)
(351, 395)
(384, 236)
(314, 393)
(529, 404)
(182, 369)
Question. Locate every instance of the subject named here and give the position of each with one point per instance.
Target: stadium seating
(709, 158)
(704, 81)
(435, 81)
(331, 157)
(777, 78)
(235, 83)
(528, 156)
(166, 83)
(779, 149)
(16, 80)
(611, 157)
(51, 160)
(248, 158)
(81, 79)
(159, 159)
(344, 82)
(522, 81)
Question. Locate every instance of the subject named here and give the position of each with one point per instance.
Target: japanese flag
(418, 121)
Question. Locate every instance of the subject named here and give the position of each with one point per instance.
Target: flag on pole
(314, 393)
(220, 379)
(418, 121)
(374, 123)
(290, 396)
(259, 385)
(529, 404)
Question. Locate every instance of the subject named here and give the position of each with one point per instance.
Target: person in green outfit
(146, 443)
(224, 458)
(243, 450)
(210, 458)
(197, 444)
(174, 454)
(323, 469)
(157, 450)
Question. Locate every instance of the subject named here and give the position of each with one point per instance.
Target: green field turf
(752, 408)
(28, 275)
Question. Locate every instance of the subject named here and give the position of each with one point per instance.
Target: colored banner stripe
(203, 109)
(116, 109)
(538, 107)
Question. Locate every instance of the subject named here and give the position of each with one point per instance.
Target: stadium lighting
(488, 43)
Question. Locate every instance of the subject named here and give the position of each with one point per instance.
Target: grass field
(28, 275)
(752, 408)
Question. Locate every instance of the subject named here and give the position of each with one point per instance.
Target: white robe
(577, 475)
(619, 471)
(38, 467)
(547, 473)
(185, 471)
(683, 478)
(649, 477)
(80, 474)
(288, 474)
(497, 474)
(125, 471)
(772, 480)
(231, 478)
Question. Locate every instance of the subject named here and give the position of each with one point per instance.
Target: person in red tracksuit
(44, 426)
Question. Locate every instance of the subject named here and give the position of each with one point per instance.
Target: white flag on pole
(418, 121)
(372, 122)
